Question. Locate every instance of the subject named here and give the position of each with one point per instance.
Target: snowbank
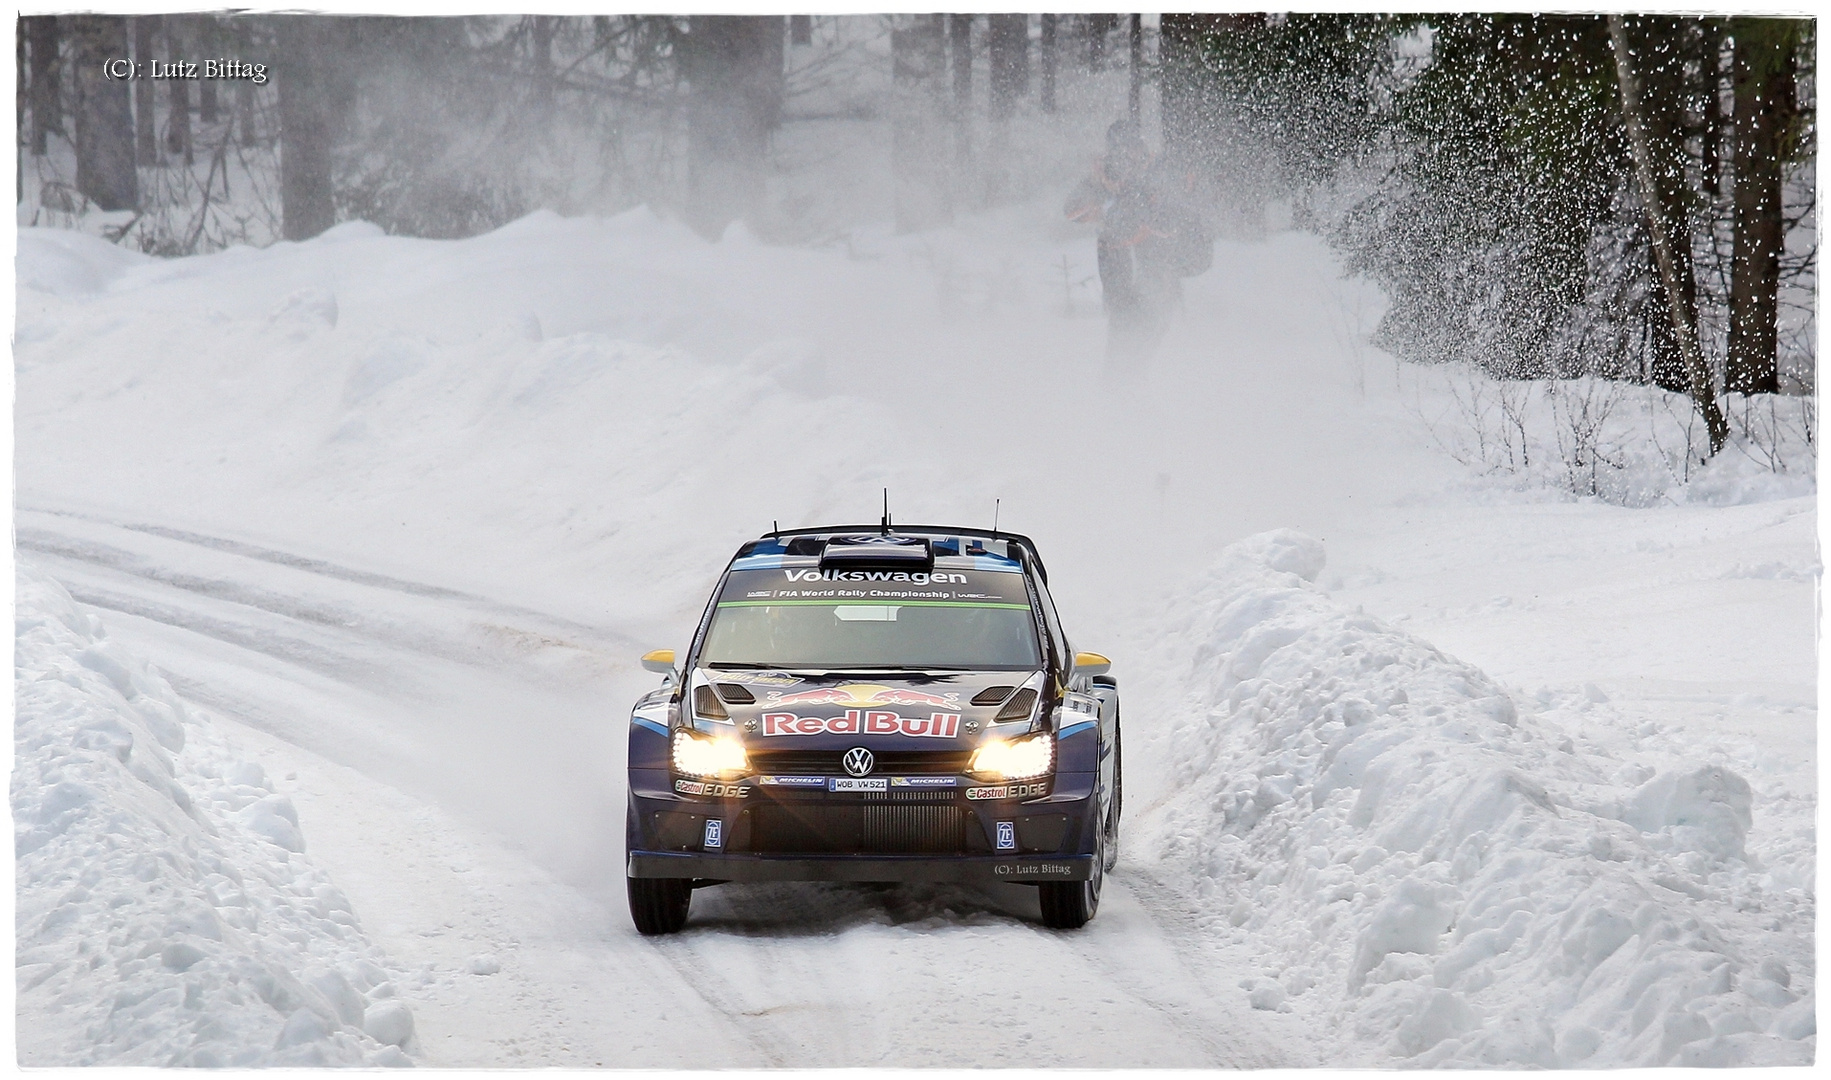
(165, 911)
(1448, 879)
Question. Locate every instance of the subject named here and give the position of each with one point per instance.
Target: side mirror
(660, 661)
(1091, 664)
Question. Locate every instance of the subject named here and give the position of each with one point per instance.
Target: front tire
(1067, 905)
(659, 905)
(1117, 802)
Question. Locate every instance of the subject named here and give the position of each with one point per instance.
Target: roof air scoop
(868, 552)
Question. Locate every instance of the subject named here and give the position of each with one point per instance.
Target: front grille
(888, 763)
(897, 795)
(813, 829)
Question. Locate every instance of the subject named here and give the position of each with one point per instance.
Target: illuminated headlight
(695, 755)
(1019, 759)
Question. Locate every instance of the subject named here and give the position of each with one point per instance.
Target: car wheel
(659, 905)
(1116, 803)
(1067, 905)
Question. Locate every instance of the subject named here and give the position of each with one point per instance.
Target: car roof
(1020, 547)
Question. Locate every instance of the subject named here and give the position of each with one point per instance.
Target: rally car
(868, 703)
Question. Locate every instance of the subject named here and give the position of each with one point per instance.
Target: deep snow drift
(167, 913)
(414, 507)
(1462, 882)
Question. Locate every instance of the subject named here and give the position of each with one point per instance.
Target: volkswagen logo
(858, 761)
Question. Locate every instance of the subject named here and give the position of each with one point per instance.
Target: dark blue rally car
(863, 703)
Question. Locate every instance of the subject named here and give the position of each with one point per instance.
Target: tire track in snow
(291, 649)
(319, 567)
(493, 638)
(434, 895)
(1190, 952)
(1135, 1000)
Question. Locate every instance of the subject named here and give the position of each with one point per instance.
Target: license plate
(851, 783)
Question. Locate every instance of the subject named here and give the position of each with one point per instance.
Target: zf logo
(715, 834)
(1007, 836)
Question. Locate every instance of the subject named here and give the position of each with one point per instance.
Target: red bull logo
(865, 696)
(863, 722)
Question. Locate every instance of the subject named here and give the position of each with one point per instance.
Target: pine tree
(305, 47)
(146, 141)
(733, 67)
(1766, 62)
(1669, 233)
(104, 115)
(41, 32)
(918, 57)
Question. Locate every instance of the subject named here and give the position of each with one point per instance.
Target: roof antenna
(995, 519)
(775, 528)
(886, 521)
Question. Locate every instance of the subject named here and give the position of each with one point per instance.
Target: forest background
(1559, 206)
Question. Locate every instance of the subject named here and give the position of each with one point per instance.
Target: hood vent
(706, 704)
(1018, 708)
(736, 694)
(992, 695)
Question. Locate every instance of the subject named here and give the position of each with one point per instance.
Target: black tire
(1067, 905)
(1116, 803)
(659, 905)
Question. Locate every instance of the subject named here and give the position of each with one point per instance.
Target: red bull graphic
(863, 722)
(864, 696)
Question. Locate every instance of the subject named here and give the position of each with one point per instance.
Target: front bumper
(972, 869)
(766, 834)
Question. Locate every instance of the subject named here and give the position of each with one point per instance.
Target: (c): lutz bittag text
(121, 68)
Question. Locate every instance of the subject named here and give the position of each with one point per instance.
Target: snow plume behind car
(1459, 880)
(166, 913)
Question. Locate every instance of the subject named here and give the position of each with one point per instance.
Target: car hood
(836, 711)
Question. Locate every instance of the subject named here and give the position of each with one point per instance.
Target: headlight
(1019, 759)
(695, 755)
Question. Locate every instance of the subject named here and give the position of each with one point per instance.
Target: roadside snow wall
(165, 912)
(1449, 880)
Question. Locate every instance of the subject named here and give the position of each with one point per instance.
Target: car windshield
(808, 618)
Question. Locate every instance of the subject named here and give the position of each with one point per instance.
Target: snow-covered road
(457, 765)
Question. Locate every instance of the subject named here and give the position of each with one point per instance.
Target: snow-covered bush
(1625, 444)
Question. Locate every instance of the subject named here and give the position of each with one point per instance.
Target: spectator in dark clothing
(1149, 238)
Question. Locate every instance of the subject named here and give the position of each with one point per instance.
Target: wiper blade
(888, 669)
(721, 665)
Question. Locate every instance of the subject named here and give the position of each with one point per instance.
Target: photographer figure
(1150, 236)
